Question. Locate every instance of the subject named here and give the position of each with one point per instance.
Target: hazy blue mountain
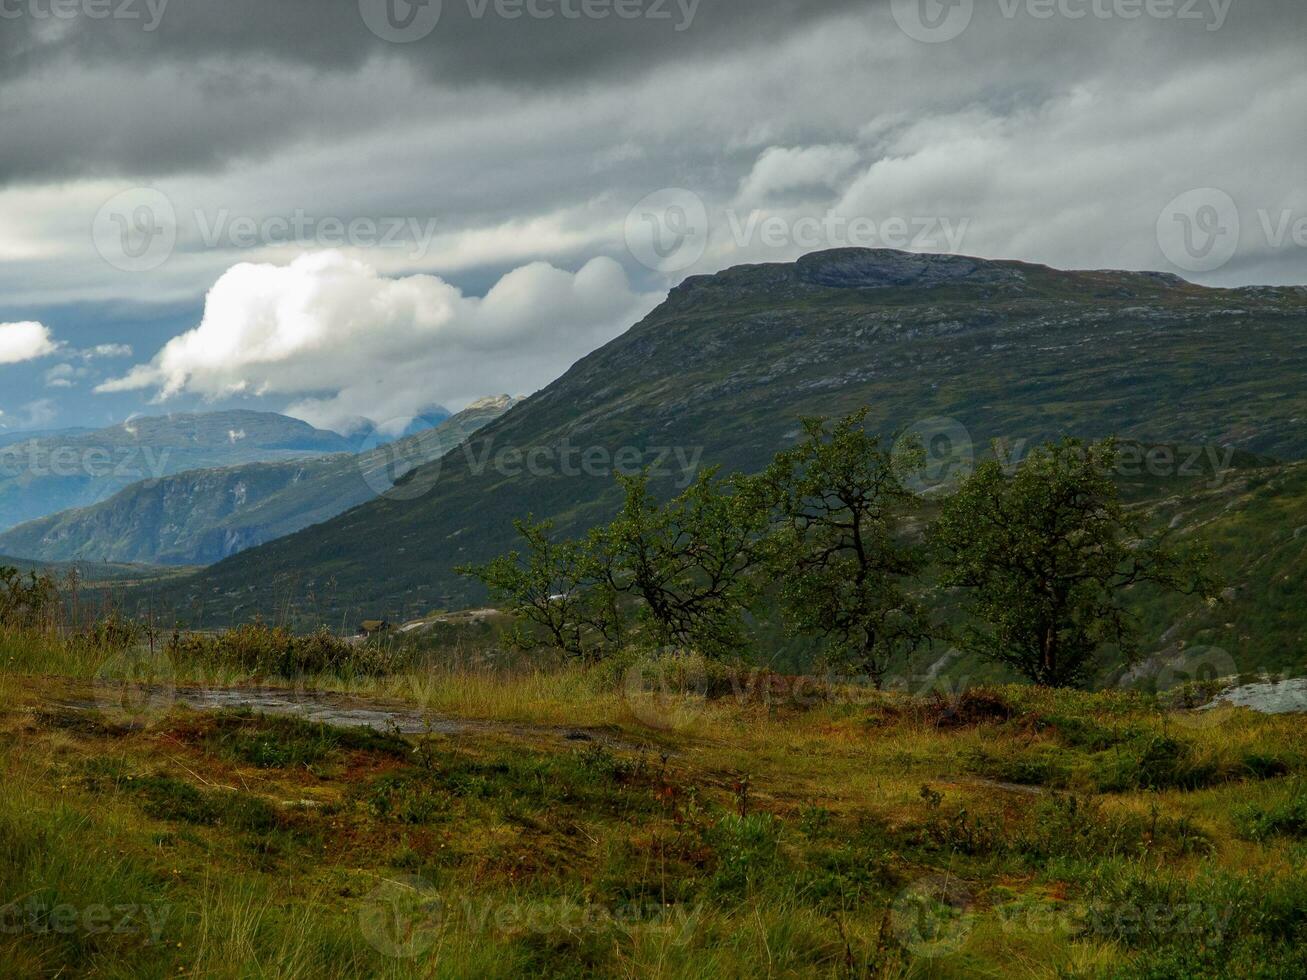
(47, 473)
(202, 516)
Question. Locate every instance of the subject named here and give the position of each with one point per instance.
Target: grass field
(584, 824)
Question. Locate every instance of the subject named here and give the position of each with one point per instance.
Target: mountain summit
(722, 371)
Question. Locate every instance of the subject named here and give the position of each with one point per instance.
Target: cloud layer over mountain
(346, 342)
(1060, 133)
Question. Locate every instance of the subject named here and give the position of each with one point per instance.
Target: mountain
(8, 438)
(94, 575)
(365, 429)
(724, 368)
(50, 472)
(202, 516)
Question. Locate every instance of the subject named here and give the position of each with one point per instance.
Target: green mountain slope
(202, 516)
(728, 363)
(49, 473)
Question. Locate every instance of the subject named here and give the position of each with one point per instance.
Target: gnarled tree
(560, 589)
(839, 550)
(1046, 552)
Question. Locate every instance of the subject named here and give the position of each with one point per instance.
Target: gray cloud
(220, 83)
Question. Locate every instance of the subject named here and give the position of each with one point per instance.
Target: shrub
(1286, 817)
(1151, 761)
(747, 850)
(275, 651)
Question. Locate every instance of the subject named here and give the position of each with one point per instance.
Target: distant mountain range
(956, 348)
(201, 516)
(46, 473)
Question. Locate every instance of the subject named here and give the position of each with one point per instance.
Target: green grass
(583, 827)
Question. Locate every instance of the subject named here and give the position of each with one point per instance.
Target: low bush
(1283, 817)
(274, 651)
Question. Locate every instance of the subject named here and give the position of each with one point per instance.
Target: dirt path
(327, 708)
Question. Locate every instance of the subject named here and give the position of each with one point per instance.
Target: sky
(350, 209)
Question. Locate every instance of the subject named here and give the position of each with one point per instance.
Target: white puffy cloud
(25, 341)
(348, 342)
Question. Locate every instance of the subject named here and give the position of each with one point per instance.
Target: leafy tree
(28, 602)
(838, 551)
(688, 561)
(1048, 551)
(559, 588)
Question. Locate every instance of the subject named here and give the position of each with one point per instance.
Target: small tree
(559, 588)
(839, 550)
(688, 561)
(1047, 551)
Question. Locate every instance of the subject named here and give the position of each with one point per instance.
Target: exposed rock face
(1283, 698)
(861, 268)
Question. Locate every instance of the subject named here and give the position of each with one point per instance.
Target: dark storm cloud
(472, 42)
(177, 86)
